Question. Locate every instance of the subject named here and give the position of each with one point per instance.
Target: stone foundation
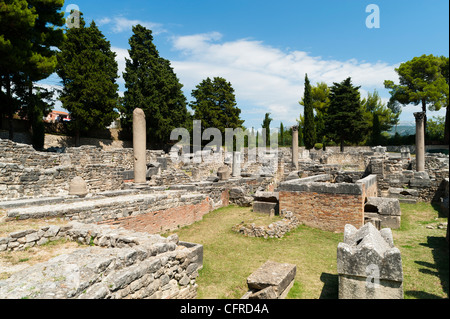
(120, 264)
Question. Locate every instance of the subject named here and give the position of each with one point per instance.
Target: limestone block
(272, 274)
(266, 196)
(383, 206)
(78, 186)
(223, 173)
(265, 207)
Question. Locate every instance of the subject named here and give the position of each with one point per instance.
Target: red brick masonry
(328, 206)
(329, 212)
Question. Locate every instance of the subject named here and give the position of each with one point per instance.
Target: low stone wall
(120, 264)
(398, 173)
(274, 230)
(153, 212)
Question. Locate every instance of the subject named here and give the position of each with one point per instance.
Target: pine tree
(309, 130)
(17, 20)
(215, 105)
(46, 35)
(88, 70)
(344, 120)
(152, 86)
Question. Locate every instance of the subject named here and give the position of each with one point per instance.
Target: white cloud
(267, 79)
(120, 24)
(121, 54)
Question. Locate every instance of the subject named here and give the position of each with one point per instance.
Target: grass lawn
(229, 257)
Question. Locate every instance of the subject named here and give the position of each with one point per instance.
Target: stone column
(139, 146)
(295, 146)
(420, 141)
(236, 164)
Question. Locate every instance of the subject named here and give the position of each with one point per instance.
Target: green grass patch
(229, 257)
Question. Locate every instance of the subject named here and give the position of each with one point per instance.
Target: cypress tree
(309, 130)
(88, 70)
(153, 86)
(281, 140)
(266, 125)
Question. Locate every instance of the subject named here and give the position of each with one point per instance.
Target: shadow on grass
(437, 207)
(440, 268)
(330, 287)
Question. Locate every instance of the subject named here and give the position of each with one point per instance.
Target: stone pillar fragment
(139, 146)
(420, 141)
(236, 169)
(405, 153)
(295, 146)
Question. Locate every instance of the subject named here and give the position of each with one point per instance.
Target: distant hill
(403, 130)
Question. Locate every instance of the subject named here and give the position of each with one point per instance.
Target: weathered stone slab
(383, 206)
(266, 197)
(264, 207)
(274, 274)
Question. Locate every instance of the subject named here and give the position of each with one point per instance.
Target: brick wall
(164, 220)
(329, 212)
(328, 206)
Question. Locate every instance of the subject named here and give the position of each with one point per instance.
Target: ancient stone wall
(119, 264)
(153, 213)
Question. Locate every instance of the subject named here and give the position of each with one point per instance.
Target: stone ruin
(118, 264)
(274, 230)
(323, 189)
(369, 265)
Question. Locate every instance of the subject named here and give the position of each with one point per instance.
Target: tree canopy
(152, 85)
(215, 105)
(30, 32)
(88, 70)
(421, 82)
(344, 120)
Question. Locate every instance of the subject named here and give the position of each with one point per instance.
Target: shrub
(318, 146)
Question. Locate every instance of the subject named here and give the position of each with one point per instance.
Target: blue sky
(264, 48)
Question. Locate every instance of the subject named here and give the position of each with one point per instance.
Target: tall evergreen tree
(152, 86)
(215, 105)
(17, 20)
(309, 130)
(281, 135)
(88, 70)
(344, 121)
(266, 125)
(46, 35)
